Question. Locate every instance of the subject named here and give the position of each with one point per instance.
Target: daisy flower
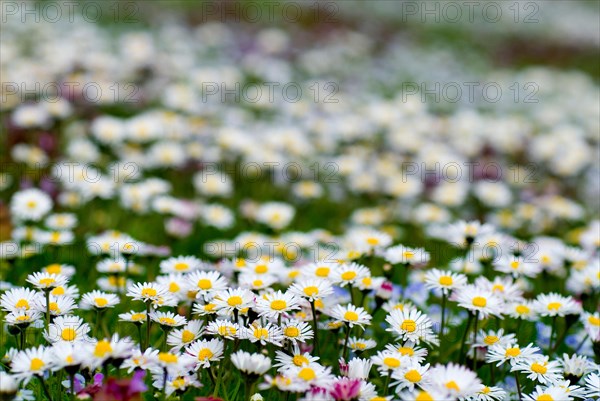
(387, 361)
(297, 358)
(22, 318)
(170, 362)
(19, 299)
(30, 204)
(521, 309)
(311, 375)
(490, 338)
(139, 360)
(148, 292)
(256, 281)
(56, 268)
(275, 304)
(517, 266)
(575, 366)
(400, 254)
(296, 331)
(58, 305)
(552, 393)
(444, 281)
(180, 264)
(591, 324)
(487, 393)
(168, 319)
(176, 284)
(264, 334)
(175, 382)
(320, 270)
(61, 221)
(410, 325)
(179, 338)
(539, 369)
(409, 376)
(478, 300)
(67, 328)
(350, 274)
(66, 354)
(511, 352)
(351, 315)
(553, 304)
(312, 289)
(46, 281)
(202, 352)
(8, 385)
(457, 380)
(408, 349)
(32, 362)
(223, 328)
(205, 309)
(359, 368)
(98, 300)
(70, 291)
(251, 364)
(133, 317)
(205, 283)
(592, 384)
(112, 266)
(232, 299)
(99, 351)
(361, 344)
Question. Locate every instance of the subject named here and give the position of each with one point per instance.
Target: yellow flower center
(181, 266)
(58, 291)
(261, 332)
(167, 357)
(347, 276)
(514, 265)
(23, 318)
(102, 348)
(22, 304)
(512, 352)
(406, 351)
(486, 390)
(174, 287)
(322, 271)
(54, 307)
(68, 334)
(446, 281)
(234, 301)
(101, 302)
(498, 288)
(539, 368)
(391, 362)
(413, 376)
(136, 317)
(187, 336)
(31, 204)
(36, 364)
(178, 383)
(491, 340)
(424, 396)
(408, 254)
(311, 290)
(372, 241)
(257, 283)
(149, 292)
(204, 284)
(545, 397)
(227, 331)
(479, 302)
(205, 354)
(53, 269)
(594, 320)
(209, 307)
(451, 385)
(307, 374)
(278, 304)
(167, 321)
(409, 325)
(522, 309)
(554, 306)
(47, 282)
(351, 316)
(300, 360)
(367, 281)
(291, 331)
(70, 359)
(261, 269)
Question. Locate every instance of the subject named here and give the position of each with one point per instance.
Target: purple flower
(345, 389)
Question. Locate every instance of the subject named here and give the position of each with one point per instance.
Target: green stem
(47, 292)
(315, 328)
(148, 306)
(464, 339)
(348, 329)
(45, 388)
(475, 341)
(442, 323)
(552, 334)
(387, 384)
(72, 381)
(518, 386)
(581, 343)
(97, 325)
(139, 329)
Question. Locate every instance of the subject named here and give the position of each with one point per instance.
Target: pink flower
(345, 389)
(178, 228)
